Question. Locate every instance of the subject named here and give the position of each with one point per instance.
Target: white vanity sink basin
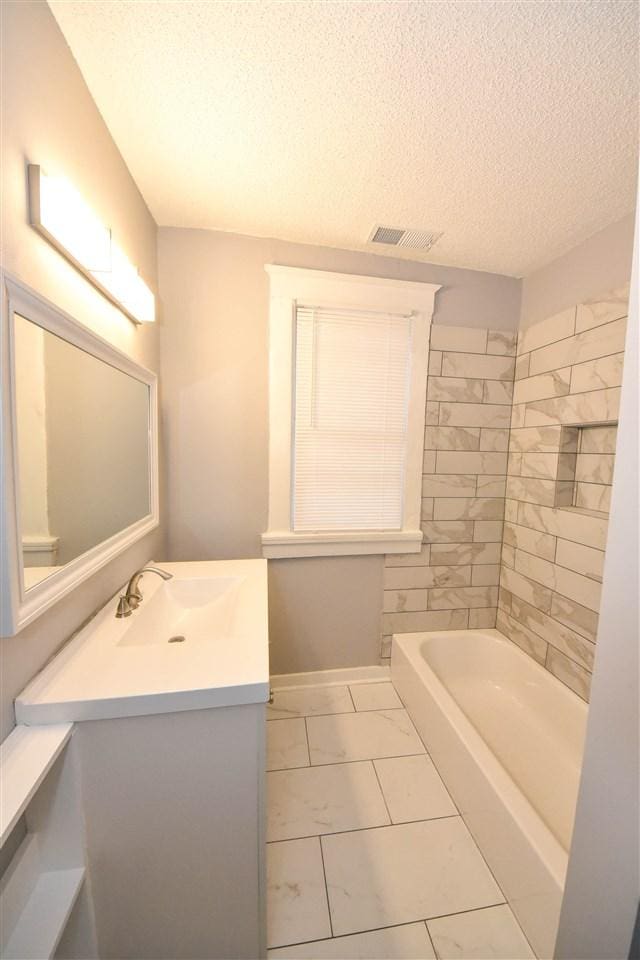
(198, 640)
(182, 611)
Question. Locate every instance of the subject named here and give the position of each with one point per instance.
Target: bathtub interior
(531, 722)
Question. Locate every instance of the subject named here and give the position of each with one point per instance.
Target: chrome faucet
(132, 597)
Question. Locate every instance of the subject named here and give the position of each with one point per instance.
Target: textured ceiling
(511, 126)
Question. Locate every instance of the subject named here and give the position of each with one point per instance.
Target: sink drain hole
(178, 639)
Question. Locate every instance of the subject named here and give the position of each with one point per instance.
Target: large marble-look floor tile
(362, 736)
(413, 789)
(491, 934)
(404, 873)
(286, 745)
(296, 893)
(309, 701)
(407, 942)
(375, 696)
(314, 800)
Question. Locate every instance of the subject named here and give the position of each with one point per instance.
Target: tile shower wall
(453, 583)
(568, 372)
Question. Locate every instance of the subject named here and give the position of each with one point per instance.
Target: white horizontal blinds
(352, 372)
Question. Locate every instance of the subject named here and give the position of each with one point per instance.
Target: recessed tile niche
(585, 467)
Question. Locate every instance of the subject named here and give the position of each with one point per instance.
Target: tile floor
(367, 855)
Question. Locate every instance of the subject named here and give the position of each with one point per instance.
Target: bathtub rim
(529, 821)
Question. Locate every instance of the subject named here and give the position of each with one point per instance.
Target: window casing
(348, 359)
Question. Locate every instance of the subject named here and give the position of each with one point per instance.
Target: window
(348, 367)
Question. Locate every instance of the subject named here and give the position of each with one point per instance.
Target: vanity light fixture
(60, 213)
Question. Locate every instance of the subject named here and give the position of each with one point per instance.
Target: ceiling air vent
(397, 237)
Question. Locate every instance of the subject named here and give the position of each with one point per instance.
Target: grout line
(375, 826)
(306, 733)
(326, 886)
(335, 763)
(386, 805)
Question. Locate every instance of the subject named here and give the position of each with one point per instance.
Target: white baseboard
(328, 678)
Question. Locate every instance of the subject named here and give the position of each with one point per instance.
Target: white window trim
(289, 285)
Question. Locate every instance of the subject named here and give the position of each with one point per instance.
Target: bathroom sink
(182, 611)
(197, 640)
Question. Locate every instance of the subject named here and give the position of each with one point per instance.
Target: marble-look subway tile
(593, 496)
(543, 466)
(498, 391)
(532, 541)
(491, 486)
(557, 327)
(531, 490)
(554, 384)
(536, 568)
(598, 342)
(474, 415)
(511, 510)
(435, 363)
(450, 576)
(574, 676)
(487, 531)
(462, 339)
(449, 485)
(504, 599)
(406, 578)
(502, 342)
(535, 594)
(593, 313)
(476, 365)
(485, 575)
(597, 374)
(419, 559)
(514, 464)
(482, 618)
(404, 601)
(599, 439)
(432, 412)
(522, 367)
(508, 555)
(462, 461)
(426, 508)
(428, 460)
(542, 439)
(591, 531)
(452, 438)
(594, 467)
(461, 554)
(447, 531)
(419, 622)
(468, 508)
(575, 616)
(452, 598)
(528, 641)
(593, 407)
(574, 586)
(518, 414)
(559, 635)
(456, 389)
(494, 440)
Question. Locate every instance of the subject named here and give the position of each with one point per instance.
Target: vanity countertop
(196, 641)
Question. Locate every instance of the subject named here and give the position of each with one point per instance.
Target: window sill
(276, 545)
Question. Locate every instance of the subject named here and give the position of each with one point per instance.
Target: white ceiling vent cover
(398, 237)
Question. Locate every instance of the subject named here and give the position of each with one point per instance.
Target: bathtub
(507, 738)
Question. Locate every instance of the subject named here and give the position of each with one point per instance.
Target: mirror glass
(83, 450)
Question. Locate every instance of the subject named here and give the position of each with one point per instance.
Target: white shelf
(26, 757)
(35, 906)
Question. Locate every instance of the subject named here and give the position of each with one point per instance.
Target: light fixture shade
(59, 212)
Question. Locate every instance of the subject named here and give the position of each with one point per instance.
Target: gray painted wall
(325, 612)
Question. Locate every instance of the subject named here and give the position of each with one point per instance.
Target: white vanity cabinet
(173, 807)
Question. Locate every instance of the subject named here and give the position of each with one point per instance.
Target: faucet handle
(124, 608)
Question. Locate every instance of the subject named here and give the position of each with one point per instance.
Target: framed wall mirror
(79, 454)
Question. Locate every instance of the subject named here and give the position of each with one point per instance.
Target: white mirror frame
(20, 607)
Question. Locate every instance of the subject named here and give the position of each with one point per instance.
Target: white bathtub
(507, 738)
